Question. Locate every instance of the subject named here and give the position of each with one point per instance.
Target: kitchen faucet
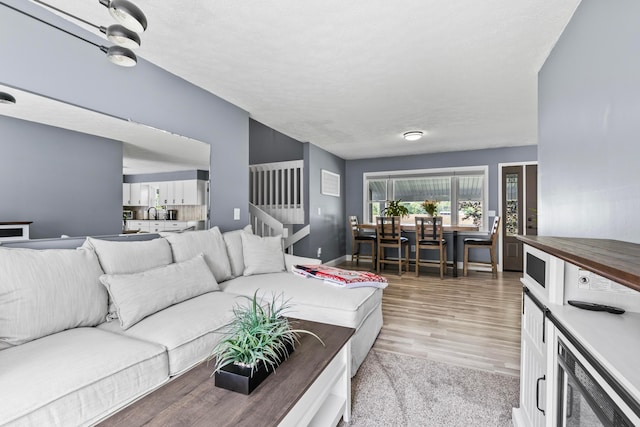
(155, 213)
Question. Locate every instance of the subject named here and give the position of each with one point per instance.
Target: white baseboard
(338, 261)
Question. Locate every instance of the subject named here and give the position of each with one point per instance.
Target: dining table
(451, 230)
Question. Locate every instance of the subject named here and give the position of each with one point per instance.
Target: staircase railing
(278, 189)
(264, 224)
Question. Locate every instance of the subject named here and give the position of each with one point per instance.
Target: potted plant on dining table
(431, 207)
(395, 208)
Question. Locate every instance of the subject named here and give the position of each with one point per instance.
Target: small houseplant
(431, 207)
(395, 208)
(258, 340)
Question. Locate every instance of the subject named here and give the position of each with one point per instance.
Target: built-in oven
(587, 394)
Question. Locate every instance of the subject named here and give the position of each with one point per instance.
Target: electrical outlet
(413, 248)
(319, 252)
(236, 214)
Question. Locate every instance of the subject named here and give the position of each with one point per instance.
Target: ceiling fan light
(120, 56)
(7, 98)
(127, 13)
(122, 36)
(413, 135)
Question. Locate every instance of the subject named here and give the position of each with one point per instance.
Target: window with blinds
(460, 193)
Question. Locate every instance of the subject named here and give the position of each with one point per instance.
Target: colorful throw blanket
(340, 277)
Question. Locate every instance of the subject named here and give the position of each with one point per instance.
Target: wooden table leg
(455, 253)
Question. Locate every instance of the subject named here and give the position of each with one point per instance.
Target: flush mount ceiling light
(127, 13)
(413, 135)
(7, 98)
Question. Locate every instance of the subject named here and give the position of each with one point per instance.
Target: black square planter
(239, 379)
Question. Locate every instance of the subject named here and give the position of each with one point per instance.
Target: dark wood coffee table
(313, 385)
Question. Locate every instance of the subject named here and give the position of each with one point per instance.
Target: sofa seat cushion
(311, 299)
(188, 330)
(76, 377)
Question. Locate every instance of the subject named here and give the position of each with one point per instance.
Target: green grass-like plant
(258, 333)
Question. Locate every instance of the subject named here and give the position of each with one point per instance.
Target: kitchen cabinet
(138, 225)
(558, 270)
(138, 194)
(156, 226)
(126, 194)
(187, 192)
(533, 369)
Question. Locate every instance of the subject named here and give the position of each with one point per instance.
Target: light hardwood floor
(471, 321)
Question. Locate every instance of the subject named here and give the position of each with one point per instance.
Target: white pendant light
(120, 56)
(127, 13)
(119, 34)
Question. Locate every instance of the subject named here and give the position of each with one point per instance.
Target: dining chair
(490, 243)
(429, 237)
(389, 235)
(359, 238)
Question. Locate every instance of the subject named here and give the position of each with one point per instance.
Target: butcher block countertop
(614, 259)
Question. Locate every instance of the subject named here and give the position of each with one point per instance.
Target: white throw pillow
(124, 257)
(208, 242)
(139, 295)
(233, 241)
(262, 254)
(47, 291)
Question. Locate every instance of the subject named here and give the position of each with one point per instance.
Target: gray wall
(167, 176)
(589, 123)
(65, 182)
(54, 64)
(491, 157)
(328, 227)
(267, 145)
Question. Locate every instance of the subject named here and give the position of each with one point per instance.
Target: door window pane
(511, 223)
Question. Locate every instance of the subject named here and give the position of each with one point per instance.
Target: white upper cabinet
(170, 193)
(126, 194)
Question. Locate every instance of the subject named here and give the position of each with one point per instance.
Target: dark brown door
(531, 202)
(519, 212)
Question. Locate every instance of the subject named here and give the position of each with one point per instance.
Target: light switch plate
(236, 214)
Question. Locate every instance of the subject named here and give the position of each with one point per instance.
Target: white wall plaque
(330, 183)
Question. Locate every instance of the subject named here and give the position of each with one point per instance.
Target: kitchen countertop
(613, 340)
(613, 259)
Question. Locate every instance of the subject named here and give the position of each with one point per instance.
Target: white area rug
(396, 390)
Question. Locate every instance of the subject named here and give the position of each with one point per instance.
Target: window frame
(452, 172)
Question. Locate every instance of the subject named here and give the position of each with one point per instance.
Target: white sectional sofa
(86, 331)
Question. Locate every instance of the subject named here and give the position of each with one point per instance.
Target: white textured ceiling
(352, 76)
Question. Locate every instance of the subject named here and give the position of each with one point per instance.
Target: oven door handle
(542, 378)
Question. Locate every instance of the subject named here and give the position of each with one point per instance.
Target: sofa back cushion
(262, 254)
(117, 257)
(47, 291)
(189, 244)
(233, 241)
(139, 295)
